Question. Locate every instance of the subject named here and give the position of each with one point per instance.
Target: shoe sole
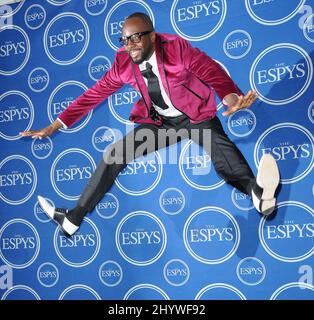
(47, 208)
(268, 178)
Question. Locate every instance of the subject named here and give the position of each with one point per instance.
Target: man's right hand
(42, 133)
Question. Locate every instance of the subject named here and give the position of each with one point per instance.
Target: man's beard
(144, 55)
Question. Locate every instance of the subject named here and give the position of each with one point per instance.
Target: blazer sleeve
(87, 101)
(206, 69)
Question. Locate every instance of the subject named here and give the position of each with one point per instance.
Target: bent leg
(228, 161)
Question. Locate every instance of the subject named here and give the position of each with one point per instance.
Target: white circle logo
(242, 123)
(172, 201)
(98, 67)
(35, 16)
(290, 240)
(82, 248)
(20, 243)
(95, 8)
(251, 271)
(176, 272)
(67, 168)
(57, 38)
(188, 18)
(15, 50)
(110, 273)
(38, 79)
(141, 238)
(17, 108)
(211, 235)
(48, 274)
(292, 147)
(237, 44)
(268, 12)
(108, 207)
(42, 148)
(102, 138)
(277, 65)
(18, 179)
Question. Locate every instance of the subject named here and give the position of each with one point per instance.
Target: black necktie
(153, 87)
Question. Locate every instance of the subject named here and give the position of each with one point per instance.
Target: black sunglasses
(135, 38)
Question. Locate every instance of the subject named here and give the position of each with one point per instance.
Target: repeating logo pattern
(164, 230)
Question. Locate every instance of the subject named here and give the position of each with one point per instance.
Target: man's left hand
(242, 102)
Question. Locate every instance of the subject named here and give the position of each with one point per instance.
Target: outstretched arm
(235, 102)
(44, 132)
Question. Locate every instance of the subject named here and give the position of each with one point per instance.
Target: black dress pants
(227, 159)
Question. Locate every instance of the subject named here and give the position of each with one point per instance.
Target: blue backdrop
(164, 231)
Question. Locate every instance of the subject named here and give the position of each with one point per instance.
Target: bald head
(140, 47)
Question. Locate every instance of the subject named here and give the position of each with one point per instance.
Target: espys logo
(121, 103)
(251, 271)
(147, 170)
(19, 243)
(110, 273)
(146, 291)
(70, 171)
(66, 38)
(188, 18)
(40, 214)
(95, 8)
(82, 248)
(298, 290)
(38, 79)
(108, 207)
(241, 200)
(102, 138)
(18, 179)
(237, 44)
(176, 272)
(242, 123)
(98, 67)
(116, 16)
(16, 107)
(292, 147)
(172, 201)
(79, 292)
(20, 292)
(61, 97)
(196, 168)
(35, 16)
(141, 238)
(270, 12)
(48, 274)
(14, 50)
(289, 236)
(281, 73)
(42, 148)
(220, 291)
(211, 235)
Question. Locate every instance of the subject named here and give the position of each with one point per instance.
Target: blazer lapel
(160, 64)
